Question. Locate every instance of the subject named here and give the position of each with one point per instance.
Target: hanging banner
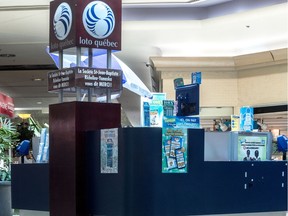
(109, 151)
(6, 106)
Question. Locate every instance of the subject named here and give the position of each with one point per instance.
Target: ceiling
(150, 28)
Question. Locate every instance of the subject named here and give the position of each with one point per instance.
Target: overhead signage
(6, 106)
(85, 23)
(84, 77)
(61, 79)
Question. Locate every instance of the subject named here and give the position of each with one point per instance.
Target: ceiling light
(24, 115)
(39, 102)
(37, 79)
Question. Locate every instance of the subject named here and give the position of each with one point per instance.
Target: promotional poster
(174, 150)
(181, 122)
(246, 118)
(174, 142)
(196, 77)
(168, 108)
(152, 110)
(252, 148)
(109, 151)
(235, 123)
(156, 114)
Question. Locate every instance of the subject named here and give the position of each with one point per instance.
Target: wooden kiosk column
(72, 27)
(67, 122)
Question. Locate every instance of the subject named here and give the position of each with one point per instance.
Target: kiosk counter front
(140, 188)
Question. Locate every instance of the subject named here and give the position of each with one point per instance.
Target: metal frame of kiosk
(140, 188)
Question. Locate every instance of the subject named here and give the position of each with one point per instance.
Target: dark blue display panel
(30, 186)
(140, 188)
(105, 191)
(187, 97)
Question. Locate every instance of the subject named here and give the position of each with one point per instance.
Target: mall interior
(240, 49)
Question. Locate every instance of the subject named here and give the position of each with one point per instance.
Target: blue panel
(188, 100)
(30, 186)
(105, 192)
(141, 189)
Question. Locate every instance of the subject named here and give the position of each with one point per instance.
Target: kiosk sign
(61, 79)
(84, 77)
(86, 23)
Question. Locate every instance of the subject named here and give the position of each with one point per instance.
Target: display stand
(68, 122)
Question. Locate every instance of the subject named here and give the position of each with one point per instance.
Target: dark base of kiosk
(141, 189)
(30, 186)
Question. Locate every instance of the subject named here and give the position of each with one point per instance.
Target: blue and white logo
(62, 21)
(98, 19)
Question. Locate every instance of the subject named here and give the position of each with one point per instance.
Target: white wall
(263, 86)
(258, 79)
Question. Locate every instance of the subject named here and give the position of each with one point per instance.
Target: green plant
(8, 139)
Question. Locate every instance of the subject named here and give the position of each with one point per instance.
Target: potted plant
(8, 138)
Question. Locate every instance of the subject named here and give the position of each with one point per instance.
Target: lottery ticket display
(174, 150)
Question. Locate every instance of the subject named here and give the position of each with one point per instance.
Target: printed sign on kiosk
(92, 24)
(84, 77)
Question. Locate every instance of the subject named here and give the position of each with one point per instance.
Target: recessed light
(39, 102)
(37, 79)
